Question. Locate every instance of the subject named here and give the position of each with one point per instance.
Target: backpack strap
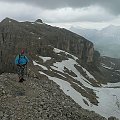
(25, 59)
(19, 59)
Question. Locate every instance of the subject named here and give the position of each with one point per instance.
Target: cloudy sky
(64, 13)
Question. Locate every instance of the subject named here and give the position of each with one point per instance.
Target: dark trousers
(20, 70)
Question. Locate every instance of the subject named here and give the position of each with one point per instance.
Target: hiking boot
(21, 80)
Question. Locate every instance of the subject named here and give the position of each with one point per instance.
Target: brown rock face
(33, 36)
(90, 53)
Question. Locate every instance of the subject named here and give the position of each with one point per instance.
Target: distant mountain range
(107, 40)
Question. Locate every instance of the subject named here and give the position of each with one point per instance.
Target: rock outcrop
(39, 21)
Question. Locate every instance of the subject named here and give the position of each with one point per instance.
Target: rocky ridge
(34, 36)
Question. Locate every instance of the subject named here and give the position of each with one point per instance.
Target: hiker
(21, 61)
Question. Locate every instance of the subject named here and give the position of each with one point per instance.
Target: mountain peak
(8, 20)
(39, 21)
(112, 27)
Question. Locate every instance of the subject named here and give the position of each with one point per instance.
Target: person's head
(22, 51)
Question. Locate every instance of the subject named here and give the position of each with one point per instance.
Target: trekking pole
(26, 70)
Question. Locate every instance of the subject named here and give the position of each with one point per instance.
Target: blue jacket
(21, 60)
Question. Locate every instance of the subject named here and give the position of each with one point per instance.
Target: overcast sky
(64, 13)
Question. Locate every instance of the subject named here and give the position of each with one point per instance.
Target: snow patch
(109, 102)
(33, 23)
(60, 74)
(58, 51)
(44, 68)
(69, 64)
(112, 85)
(39, 38)
(68, 90)
(45, 58)
(112, 63)
(89, 75)
(106, 67)
(32, 33)
(39, 23)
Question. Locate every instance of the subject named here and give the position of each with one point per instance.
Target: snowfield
(114, 85)
(108, 96)
(69, 64)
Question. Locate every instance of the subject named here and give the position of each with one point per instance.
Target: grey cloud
(111, 5)
(86, 18)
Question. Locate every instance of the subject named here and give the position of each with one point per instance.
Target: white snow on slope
(39, 23)
(68, 90)
(44, 68)
(69, 64)
(112, 85)
(109, 98)
(45, 58)
(58, 51)
(110, 68)
(109, 104)
(60, 74)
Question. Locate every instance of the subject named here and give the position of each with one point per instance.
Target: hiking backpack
(22, 60)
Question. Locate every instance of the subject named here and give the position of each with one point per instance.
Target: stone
(1, 113)
(112, 118)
